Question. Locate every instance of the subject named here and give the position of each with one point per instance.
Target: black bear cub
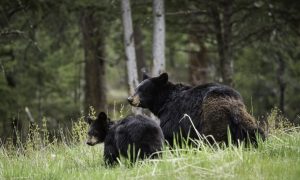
(132, 137)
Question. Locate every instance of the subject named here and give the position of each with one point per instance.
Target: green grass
(277, 158)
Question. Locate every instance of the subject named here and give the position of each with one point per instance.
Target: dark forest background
(58, 58)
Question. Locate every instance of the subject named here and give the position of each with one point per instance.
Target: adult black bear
(136, 136)
(212, 108)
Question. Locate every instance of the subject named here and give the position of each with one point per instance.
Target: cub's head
(98, 129)
(148, 90)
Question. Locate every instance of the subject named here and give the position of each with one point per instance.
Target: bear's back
(138, 129)
(200, 92)
(187, 100)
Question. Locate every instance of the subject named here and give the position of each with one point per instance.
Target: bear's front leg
(111, 155)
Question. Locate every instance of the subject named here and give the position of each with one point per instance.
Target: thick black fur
(132, 137)
(169, 102)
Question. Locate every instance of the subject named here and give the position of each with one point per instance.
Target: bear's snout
(92, 140)
(130, 99)
(134, 100)
(89, 143)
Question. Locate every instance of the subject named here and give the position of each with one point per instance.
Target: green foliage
(80, 127)
(41, 50)
(277, 122)
(34, 139)
(256, 75)
(79, 130)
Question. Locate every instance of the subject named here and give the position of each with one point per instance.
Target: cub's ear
(163, 78)
(102, 116)
(88, 120)
(145, 76)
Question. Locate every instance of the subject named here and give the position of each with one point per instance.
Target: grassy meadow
(40, 158)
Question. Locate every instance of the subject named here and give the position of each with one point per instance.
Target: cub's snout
(92, 140)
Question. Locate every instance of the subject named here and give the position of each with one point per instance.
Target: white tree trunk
(158, 47)
(129, 48)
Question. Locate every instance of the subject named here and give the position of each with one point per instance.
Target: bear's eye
(143, 92)
(90, 133)
(146, 88)
(93, 133)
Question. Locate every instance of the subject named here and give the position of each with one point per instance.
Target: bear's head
(146, 92)
(98, 129)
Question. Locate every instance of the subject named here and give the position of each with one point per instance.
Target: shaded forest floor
(277, 158)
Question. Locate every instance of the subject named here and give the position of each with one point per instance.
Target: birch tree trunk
(129, 49)
(158, 47)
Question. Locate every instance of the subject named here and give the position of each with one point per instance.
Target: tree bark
(223, 30)
(281, 81)
(158, 47)
(139, 50)
(227, 63)
(94, 70)
(130, 49)
(198, 63)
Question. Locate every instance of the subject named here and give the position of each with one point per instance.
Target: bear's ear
(88, 120)
(102, 116)
(163, 78)
(145, 76)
